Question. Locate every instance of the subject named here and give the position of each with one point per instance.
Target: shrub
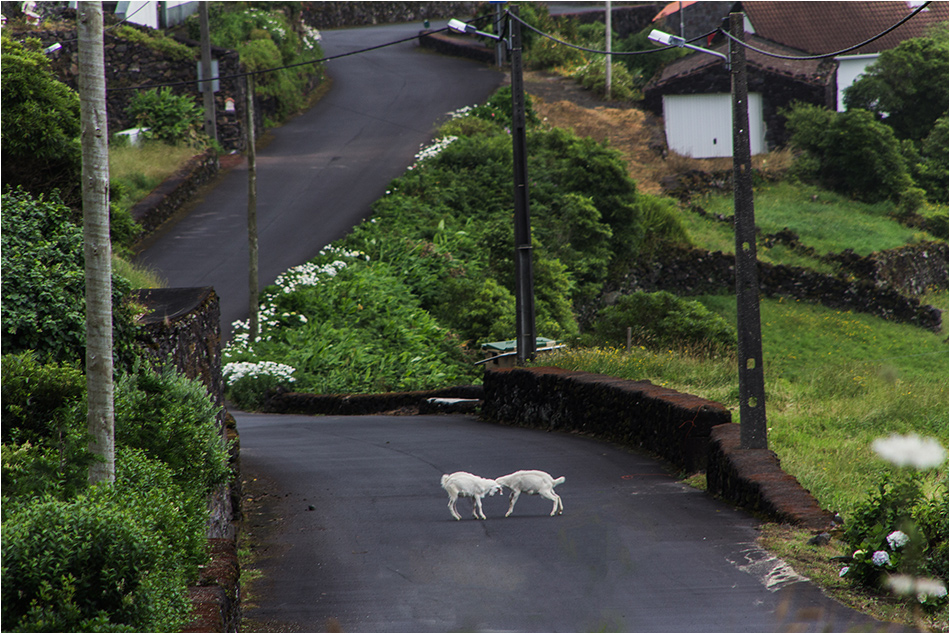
(169, 117)
(172, 419)
(91, 564)
(663, 320)
(898, 530)
(44, 284)
(854, 154)
(40, 120)
(169, 47)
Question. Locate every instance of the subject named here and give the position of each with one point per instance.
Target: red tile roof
(826, 27)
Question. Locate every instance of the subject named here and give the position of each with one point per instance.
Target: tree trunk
(97, 245)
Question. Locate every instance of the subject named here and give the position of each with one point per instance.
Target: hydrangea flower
(844, 571)
(880, 558)
(897, 539)
(911, 450)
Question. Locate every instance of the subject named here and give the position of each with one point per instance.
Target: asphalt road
(634, 551)
(321, 172)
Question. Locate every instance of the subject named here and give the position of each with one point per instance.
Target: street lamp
(665, 39)
(751, 376)
(525, 333)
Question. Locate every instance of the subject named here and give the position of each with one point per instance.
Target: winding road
(350, 524)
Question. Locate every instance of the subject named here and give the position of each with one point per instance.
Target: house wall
(778, 92)
(850, 67)
(700, 126)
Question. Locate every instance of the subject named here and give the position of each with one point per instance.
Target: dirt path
(637, 134)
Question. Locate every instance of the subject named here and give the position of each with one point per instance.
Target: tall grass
(835, 381)
(823, 220)
(138, 169)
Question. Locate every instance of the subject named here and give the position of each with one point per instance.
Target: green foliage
(899, 530)
(44, 283)
(158, 41)
(907, 86)
(849, 152)
(929, 163)
(40, 125)
(663, 320)
(113, 559)
(172, 419)
(169, 117)
(592, 75)
(268, 35)
(644, 67)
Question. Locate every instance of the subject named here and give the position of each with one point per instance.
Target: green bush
(169, 117)
(172, 419)
(44, 284)
(40, 120)
(849, 152)
(660, 320)
(643, 67)
(898, 530)
(114, 559)
(158, 41)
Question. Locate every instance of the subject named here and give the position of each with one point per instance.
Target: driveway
(354, 535)
(322, 170)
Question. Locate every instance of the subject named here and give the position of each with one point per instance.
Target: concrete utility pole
(752, 419)
(524, 267)
(207, 86)
(253, 283)
(97, 244)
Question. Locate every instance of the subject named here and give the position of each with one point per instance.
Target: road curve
(321, 172)
(356, 536)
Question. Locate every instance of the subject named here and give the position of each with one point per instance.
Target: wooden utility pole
(253, 291)
(97, 245)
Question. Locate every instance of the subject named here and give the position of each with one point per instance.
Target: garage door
(700, 126)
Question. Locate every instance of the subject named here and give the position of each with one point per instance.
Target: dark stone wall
(174, 192)
(687, 271)
(624, 21)
(130, 64)
(753, 479)
(671, 424)
(331, 15)
(466, 47)
(688, 431)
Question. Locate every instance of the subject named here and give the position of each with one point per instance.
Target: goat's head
(495, 488)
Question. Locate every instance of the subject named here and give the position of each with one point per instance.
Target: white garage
(700, 125)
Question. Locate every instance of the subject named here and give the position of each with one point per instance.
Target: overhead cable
(827, 55)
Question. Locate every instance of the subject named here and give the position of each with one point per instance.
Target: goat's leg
(554, 497)
(514, 498)
(479, 513)
(452, 509)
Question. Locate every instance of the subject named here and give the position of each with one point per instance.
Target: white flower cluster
(434, 149)
(922, 587)
(238, 370)
(461, 113)
(880, 558)
(911, 450)
(897, 539)
(311, 37)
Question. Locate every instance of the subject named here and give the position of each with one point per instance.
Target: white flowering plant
(898, 535)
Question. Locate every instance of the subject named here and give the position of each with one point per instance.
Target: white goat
(532, 482)
(464, 484)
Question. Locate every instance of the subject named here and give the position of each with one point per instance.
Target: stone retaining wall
(690, 432)
(174, 192)
(687, 271)
(332, 15)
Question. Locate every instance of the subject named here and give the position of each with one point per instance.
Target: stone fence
(332, 15)
(174, 192)
(182, 326)
(688, 271)
(690, 432)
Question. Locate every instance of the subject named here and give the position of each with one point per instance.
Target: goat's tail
(559, 481)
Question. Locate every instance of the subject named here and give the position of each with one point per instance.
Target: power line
(271, 70)
(827, 55)
(599, 52)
